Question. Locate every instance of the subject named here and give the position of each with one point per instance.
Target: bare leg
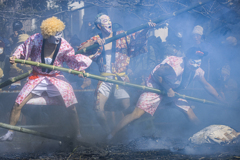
(191, 116)
(113, 118)
(189, 113)
(99, 108)
(137, 113)
(126, 105)
(15, 114)
(74, 120)
(73, 117)
(16, 111)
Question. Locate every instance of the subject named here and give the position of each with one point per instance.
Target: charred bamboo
(36, 133)
(15, 79)
(105, 79)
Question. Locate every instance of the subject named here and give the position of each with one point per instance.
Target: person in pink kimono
(172, 74)
(45, 86)
(113, 60)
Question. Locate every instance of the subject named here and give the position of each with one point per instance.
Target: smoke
(220, 39)
(222, 51)
(154, 144)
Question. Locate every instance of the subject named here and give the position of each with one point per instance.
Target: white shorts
(119, 93)
(46, 86)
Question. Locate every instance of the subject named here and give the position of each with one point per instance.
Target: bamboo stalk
(36, 133)
(17, 91)
(144, 26)
(15, 79)
(105, 79)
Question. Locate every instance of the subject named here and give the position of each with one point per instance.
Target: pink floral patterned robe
(126, 47)
(31, 48)
(149, 101)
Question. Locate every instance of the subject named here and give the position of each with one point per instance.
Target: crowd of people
(170, 67)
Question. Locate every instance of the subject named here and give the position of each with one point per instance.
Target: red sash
(35, 75)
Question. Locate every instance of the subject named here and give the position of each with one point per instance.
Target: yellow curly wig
(51, 26)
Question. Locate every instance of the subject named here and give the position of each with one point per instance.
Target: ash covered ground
(164, 136)
(124, 147)
(160, 150)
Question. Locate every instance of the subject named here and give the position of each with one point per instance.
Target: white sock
(8, 136)
(10, 132)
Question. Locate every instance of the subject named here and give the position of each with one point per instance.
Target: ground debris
(140, 148)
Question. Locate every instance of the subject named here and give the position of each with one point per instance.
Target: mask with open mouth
(106, 23)
(55, 39)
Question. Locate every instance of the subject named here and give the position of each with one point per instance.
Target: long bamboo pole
(36, 133)
(83, 51)
(144, 26)
(15, 79)
(109, 80)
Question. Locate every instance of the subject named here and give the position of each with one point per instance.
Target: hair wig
(51, 26)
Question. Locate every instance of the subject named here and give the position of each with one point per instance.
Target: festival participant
(47, 86)
(113, 60)
(17, 27)
(172, 74)
(4, 66)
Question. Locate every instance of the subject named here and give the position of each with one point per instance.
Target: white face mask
(195, 63)
(106, 23)
(55, 39)
(1, 50)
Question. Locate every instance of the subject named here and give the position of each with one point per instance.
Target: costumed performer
(45, 86)
(113, 60)
(172, 74)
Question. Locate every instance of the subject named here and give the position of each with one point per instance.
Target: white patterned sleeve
(77, 62)
(24, 50)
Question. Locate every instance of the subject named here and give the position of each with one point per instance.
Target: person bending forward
(172, 74)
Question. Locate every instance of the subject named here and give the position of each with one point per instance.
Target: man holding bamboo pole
(45, 86)
(172, 74)
(113, 59)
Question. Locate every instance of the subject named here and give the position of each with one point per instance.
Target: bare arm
(160, 77)
(91, 42)
(87, 44)
(93, 53)
(210, 88)
(137, 42)
(151, 25)
(12, 59)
